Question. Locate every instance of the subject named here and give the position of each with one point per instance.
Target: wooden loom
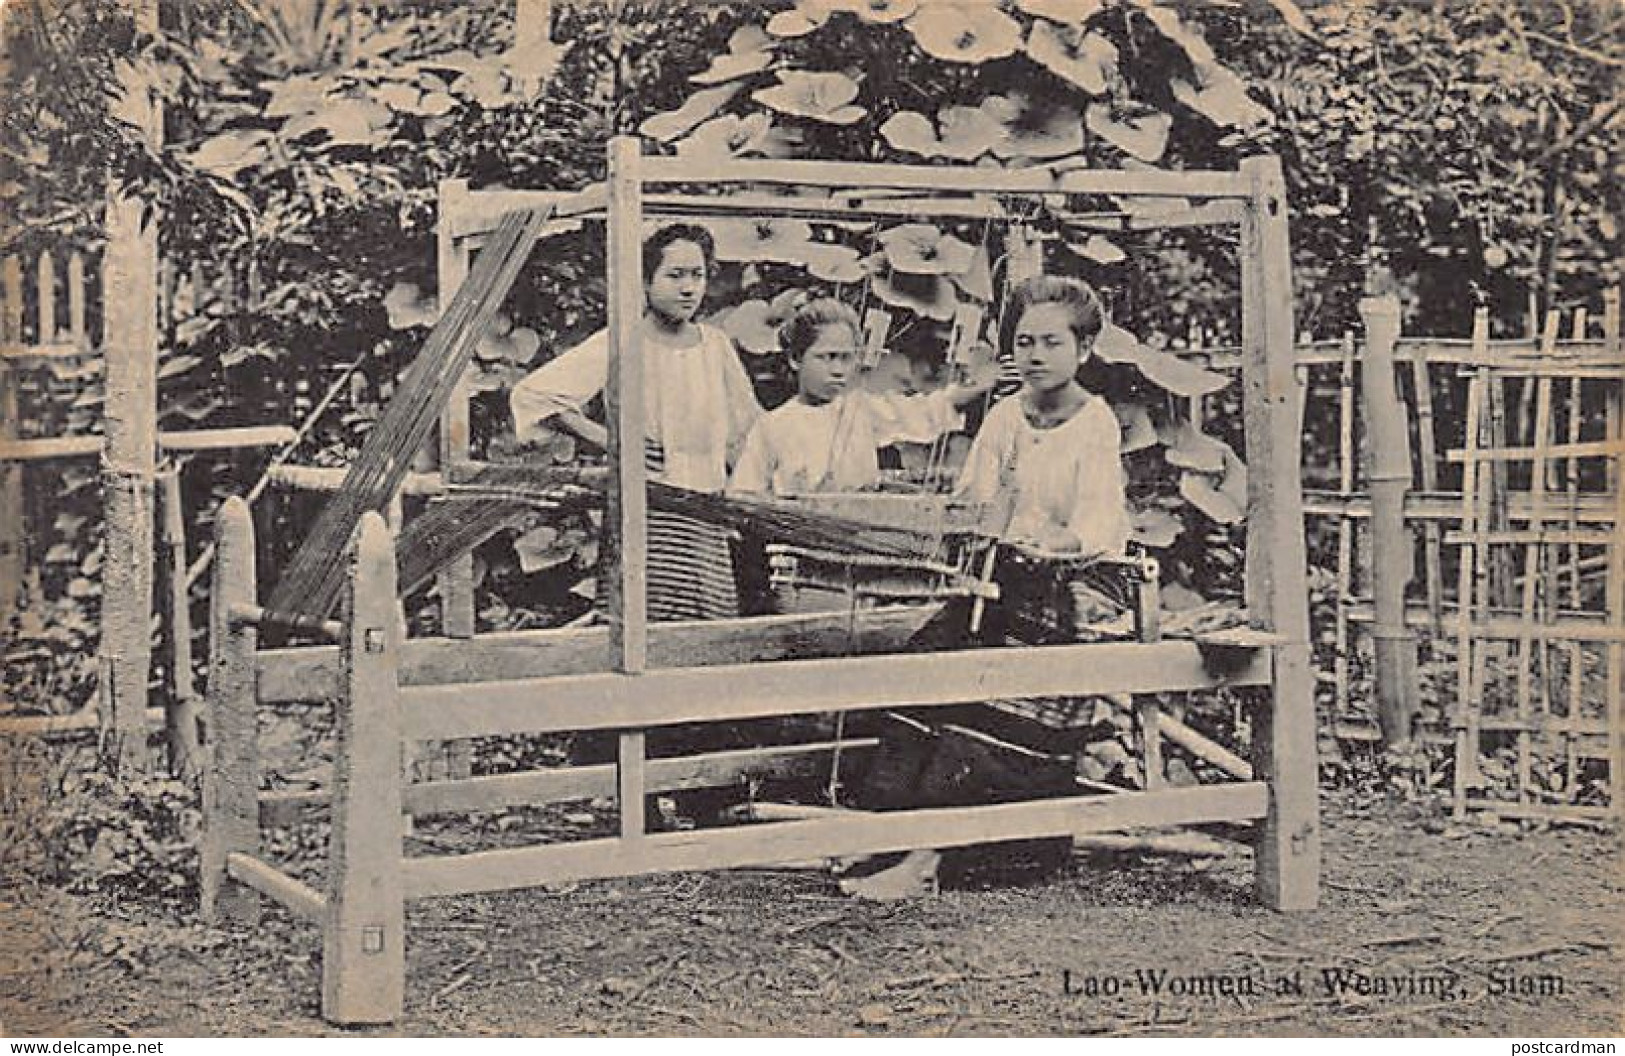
(390, 692)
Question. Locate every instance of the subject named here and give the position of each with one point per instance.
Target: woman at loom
(700, 406)
(1049, 456)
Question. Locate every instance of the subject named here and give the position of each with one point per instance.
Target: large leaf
(969, 33)
(1221, 97)
(1071, 12)
(1188, 447)
(1222, 499)
(923, 249)
(966, 134)
(1141, 134)
(1033, 128)
(1088, 60)
(749, 52)
(825, 97)
(701, 106)
(229, 153)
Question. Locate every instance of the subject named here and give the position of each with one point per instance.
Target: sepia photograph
(812, 518)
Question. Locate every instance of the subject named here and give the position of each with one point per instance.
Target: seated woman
(1048, 455)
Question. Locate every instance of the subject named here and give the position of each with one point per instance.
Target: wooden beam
(364, 936)
(188, 442)
(316, 478)
(1204, 748)
(456, 583)
(569, 783)
(312, 672)
(789, 687)
(293, 895)
(1548, 452)
(848, 833)
(130, 417)
(1284, 742)
(231, 779)
(626, 502)
(181, 709)
(962, 178)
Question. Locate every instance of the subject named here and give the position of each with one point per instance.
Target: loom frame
(390, 693)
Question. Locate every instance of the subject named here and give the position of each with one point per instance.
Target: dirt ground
(1424, 929)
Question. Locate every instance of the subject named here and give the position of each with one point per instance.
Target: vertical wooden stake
(129, 456)
(1284, 741)
(1150, 714)
(1392, 642)
(364, 937)
(1470, 558)
(1615, 588)
(1534, 552)
(181, 715)
(76, 300)
(12, 522)
(46, 281)
(231, 821)
(626, 508)
(1346, 527)
(451, 268)
(12, 526)
(1428, 457)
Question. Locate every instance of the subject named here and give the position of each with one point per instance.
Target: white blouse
(1068, 477)
(699, 402)
(801, 448)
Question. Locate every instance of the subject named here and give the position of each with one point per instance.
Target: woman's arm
(739, 396)
(1100, 519)
(560, 390)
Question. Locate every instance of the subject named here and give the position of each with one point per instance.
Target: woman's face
(1045, 347)
(678, 284)
(826, 367)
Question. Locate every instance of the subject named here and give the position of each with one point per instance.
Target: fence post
(129, 457)
(1392, 547)
(1284, 742)
(231, 822)
(364, 936)
(181, 715)
(11, 473)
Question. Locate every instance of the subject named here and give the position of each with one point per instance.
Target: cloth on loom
(801, 447)
(1069, 476)
(699, 402)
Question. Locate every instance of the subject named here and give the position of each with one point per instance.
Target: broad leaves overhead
(825, 97)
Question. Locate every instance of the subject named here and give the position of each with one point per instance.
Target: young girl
(700, 405)
(827, 437)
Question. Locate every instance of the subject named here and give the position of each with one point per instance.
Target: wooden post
(1428, 461)
(1534, 554)
(1393, 644)
(129, 458)
(1346, 527)
(181, 714)
(231, 820)
(1284, 742)
(12, 523)
(1615, 589)
(626, 504)
(364, 936)
(1470, 560)
(451, 268)
(1150, 716)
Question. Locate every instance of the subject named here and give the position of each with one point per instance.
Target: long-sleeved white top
(1067, 479)
(801, 447)
(699, 402)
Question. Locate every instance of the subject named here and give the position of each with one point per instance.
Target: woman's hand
(583, 428)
